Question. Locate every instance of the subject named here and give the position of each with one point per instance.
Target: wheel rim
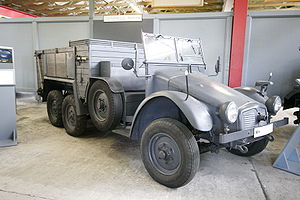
(164, 154)
(54, 107)
(101, 105)
(71, 116)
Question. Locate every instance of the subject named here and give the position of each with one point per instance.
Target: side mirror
(217, 66)
(127, 63)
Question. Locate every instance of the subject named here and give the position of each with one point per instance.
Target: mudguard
(170, 104)
(114, 85)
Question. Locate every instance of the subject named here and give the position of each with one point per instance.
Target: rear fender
(114, 85)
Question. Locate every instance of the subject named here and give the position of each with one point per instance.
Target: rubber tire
(115, 107)
(81, 121)
(253, 148)
(187, 145)
(55, 118)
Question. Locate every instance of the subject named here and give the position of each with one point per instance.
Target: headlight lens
(229, 112)
(274, 104)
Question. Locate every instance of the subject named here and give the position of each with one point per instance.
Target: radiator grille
(249, 119)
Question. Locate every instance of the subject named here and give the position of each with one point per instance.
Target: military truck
(157, 93)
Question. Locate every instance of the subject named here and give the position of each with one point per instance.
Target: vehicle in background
(292, 99)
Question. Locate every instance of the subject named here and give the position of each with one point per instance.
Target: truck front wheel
(54, 103)
(75, 125)
(170, 152)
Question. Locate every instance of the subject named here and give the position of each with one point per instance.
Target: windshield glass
(159, 48)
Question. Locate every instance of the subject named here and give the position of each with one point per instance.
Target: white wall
(19, 36)
(122, 31)
(273, 45)
(214, 31)
(28, 35)
(58, 34)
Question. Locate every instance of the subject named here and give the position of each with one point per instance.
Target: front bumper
(225, 138)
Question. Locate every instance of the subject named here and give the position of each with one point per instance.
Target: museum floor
(49, 164)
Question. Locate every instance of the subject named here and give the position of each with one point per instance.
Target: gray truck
(156, 93)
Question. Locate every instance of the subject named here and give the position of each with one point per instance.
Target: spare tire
(105, 107)
(54, 105)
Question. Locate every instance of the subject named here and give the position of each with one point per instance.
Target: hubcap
(101, 105)
(71, 116)
(164, 154)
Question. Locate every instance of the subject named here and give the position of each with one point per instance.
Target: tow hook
(270, 138)
(242, 149)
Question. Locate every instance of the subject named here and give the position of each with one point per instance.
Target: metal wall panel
(273, 46)
(215, 36)
(58, 34)
(122, 31)
(19, 36)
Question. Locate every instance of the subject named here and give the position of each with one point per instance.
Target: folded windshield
(165, 49)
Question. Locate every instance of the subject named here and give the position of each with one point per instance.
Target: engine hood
(203, 88)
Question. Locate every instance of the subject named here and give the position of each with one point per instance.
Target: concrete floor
(49, 164)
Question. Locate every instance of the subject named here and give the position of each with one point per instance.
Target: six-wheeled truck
(156, 93)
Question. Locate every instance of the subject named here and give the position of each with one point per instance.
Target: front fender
(169, 104)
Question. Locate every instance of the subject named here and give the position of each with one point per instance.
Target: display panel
(6, 55)
(7, 77)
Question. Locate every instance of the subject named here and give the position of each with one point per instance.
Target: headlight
(273, 104)
(229, 112)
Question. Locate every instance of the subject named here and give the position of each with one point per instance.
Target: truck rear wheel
(75, 125)
(54, 105)
(105, 107)
(253, 148)
(170, 152)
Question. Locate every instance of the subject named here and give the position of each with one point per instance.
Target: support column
(240, 8)
(36, 46)
(91, 17)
